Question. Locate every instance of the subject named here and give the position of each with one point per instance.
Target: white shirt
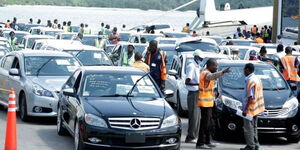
(193, 73)
(246, 94)
(280, 54)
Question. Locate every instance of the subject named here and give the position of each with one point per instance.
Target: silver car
(177, 76)
(36, 77)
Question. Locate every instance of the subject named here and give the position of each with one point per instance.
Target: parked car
(177, 76)
(88, 39)
(136, 38)
(218, 39)
(175, 34)
(29, 26)
(3, 51)
(281, 117)
(243, 50)
(29, 40)
(157, 27)
(290, 33)
(109, 107)
(36, 77)
(86, 55)
(124, 36)
(53, 44)
(193, 43)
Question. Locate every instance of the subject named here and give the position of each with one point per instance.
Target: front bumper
(115, 138)
(278, 126)
(47, 104)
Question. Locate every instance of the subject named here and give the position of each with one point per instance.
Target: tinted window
(89, 40)
(191, 46)
(106, 84)
(50, 66)
(165, 26)
(67, 36)
(91, 58)
(166, 41)
(150, 37)
(176, 35)
(242, 42)
(51, 33)
(124, 36)
(8, 62)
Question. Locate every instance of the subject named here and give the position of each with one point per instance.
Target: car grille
(273, 112)
(134, 123)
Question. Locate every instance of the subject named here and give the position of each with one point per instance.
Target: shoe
(247, 148)
(212, 145)
(193, 141)
(204, 146)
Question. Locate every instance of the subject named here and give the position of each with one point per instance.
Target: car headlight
(95, 121)
(170, 121)
(231, 103)
(292, 106)
(40, 91)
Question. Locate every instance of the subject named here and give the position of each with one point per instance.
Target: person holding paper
(253, 104)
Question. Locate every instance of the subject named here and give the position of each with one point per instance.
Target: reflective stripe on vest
(163, 69)
(290, 72)
(126, 61)
(206, 91)
(256, 105)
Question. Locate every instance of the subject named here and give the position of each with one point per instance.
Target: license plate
(135, 138)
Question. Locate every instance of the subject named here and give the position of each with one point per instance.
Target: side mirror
(14, 72)
(173, 72)
(69, 92)
(21, 46)
(169, 93)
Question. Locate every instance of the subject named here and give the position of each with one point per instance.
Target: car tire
(179, 109)
(61, 130)
(79, 145)
(23, 109)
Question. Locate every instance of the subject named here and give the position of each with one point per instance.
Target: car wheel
(23, 109)
(179, 109)
(61, 130)
(79, 145)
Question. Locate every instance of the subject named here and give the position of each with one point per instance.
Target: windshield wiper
(79, 52)
(116, 95)
(42, 66)
(136, 82)
(98, 65)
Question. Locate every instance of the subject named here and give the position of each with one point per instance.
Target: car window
(204, 46)
(8, 62)
(91, 57)
(105, 84)
(163, 26)
(16, 63)
(77, 82)
(71, 81)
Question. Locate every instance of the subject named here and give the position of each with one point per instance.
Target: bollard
(11, 126)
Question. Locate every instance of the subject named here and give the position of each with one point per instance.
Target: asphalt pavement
(40, 134)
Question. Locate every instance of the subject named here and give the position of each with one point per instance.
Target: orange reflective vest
(290, 72)
(259, 40)
(163, 69)
(256, 104)
(206, 91)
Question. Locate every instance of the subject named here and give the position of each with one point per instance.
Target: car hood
(273, 99)
(50, 82)
(121, 107)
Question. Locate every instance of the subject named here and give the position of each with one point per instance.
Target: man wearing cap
(253, 55)
(128, 56)
(192, 85)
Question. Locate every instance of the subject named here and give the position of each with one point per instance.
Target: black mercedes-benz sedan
(117, 108)
(281, 116)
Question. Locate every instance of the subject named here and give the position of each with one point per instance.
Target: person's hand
(227, 70)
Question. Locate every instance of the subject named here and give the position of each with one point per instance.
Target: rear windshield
(204, 46)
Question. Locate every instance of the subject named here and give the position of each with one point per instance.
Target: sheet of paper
(97, 55)
(62, 62)
(146, 89)
(123, 89)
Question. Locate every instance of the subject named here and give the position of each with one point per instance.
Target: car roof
(111, 69)
(38, 36)
(241, 63)
(3, 39)
(43, 53)
(206, 55)
(16, 32)
(191, 39)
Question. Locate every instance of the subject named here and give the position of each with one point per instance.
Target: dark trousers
(194, 115)
(205, 126)
(250, 132)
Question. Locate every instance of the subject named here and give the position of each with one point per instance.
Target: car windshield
(138, 48)
(67, 36)
(89, 40)
(91, 57)
(75, 28)
(217, 39)
(124, 36)
(31, 42)
(20, 37)
(150, 37)
(50, 66)
(51, 33)
(270, 78)
(242, 53)
(110, 85)
(166, 41)
(176, 35)
(204, 46)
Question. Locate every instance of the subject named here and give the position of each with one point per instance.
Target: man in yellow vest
(127, 58)
(12, 40)
(156, 59)
(139, 63)
(206, 102)
(253, 104)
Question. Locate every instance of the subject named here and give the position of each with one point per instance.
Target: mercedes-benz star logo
(135, 123)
